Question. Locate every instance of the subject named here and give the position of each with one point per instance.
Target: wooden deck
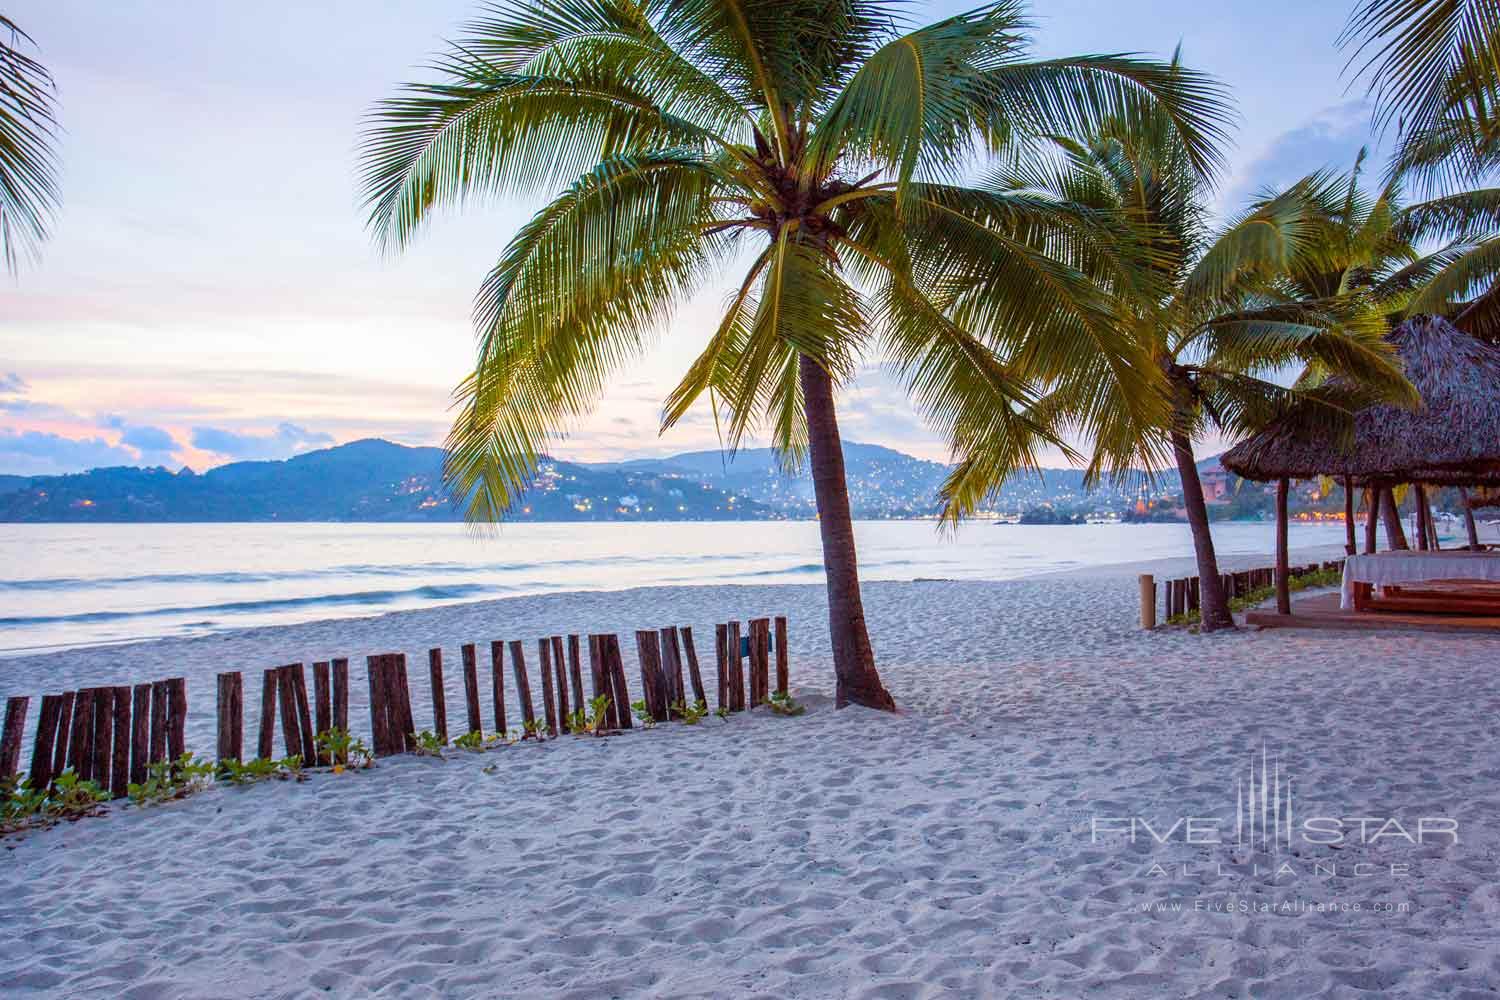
(1323, 611)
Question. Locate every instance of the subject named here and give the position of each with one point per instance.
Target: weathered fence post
(231, 716)
(653, 683)
(736, 670)
(439, 696)
(100, 746)
(380, 715)
(603, 683)
(322, 709)
(760, 660)
(549, 697)
(671, 665)
(119, 766)
(40, 774)
(783, 670)
(1148, 601)
(497, 680)
(621, 691)
(264, 746)
(341, 694)
(575, 671)
(695, 676)
(721, 651)
(10, 736)
(523, 682)
(471, 687)
(561, 669)
(66, 712)
(286, 705)
(140, 732)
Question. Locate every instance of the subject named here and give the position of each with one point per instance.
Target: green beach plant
(692, 714)
(429, 744)
(167, 780)
(828, 143)
(643, 714)
(782, 703)
(259, 769)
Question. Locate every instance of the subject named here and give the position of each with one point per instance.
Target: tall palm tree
(824, 140)
(1215, 324)
(28, 148)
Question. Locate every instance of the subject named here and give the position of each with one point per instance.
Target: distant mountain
(374, 480)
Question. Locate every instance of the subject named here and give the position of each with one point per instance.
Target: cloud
(10, 382)
(40, 453)
(1331, 139)
(287, 440)
(153, 445)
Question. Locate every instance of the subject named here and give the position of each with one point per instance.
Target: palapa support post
(39, 775)
(119, 765)
(653, 682)
(286, 705)
(523, 681)
(575, 671)
(1148, 601)
(497, 680)
(264, 748)
(1350, 548)
(341, 694)
(1372, 519)
(620, 691)
(559, 665)
(549, 696)
(721, 651)
(322, 709)
(1283, 584)
(695, 676)
(471, 686)
(140, 732)
(231, 716)
(439, 696)
(10, 736)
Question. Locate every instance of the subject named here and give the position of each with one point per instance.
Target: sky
(210, 293)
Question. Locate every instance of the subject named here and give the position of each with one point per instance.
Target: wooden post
(559, 665)
(264, 748)
(39, 775)
(341, 694)
(497, 680)
(104, 731)
(66, 710)
(694, 674)
(736, 670)
(653, 683)
(1419, 507)
(471, 687)
(1148, 601)
(1469, 526)
(1283, 584)
(760, 660)
(231, 716)
(119, 765)
(1372, 518)
(549, 696)
(783, 670)
(140, 732)
(671, 665)
(721, 651)
(575, 672)
(322, 708)
(1350, 548)
(1194, 604)
(620, 690)
(298, 677)
(405, 722)
(177, 707)
(10, 736)
(83, 728)
(286, 706)
(523, 680)
(439, 696)
(380, 728)
(603, 683)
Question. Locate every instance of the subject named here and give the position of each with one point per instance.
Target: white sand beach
(947, 851)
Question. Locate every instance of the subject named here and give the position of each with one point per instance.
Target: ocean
(73, 585)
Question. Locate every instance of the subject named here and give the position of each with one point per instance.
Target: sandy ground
(964, 848)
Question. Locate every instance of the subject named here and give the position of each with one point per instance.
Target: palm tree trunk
(1395, 535)
(1213, 609)
(853, 659)
(1283, 557)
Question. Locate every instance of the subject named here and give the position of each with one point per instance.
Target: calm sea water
(68, 585)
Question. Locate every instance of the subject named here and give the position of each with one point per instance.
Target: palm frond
(28, 149)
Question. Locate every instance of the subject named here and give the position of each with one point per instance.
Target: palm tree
(28, 156)
(1213, 317)
(820, 139)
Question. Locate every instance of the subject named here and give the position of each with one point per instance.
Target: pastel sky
(210, 293)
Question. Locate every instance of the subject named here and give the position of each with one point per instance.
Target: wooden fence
(111, 735)
(1181, 596)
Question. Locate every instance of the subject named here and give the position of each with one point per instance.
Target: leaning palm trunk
(1213, 609)
(1395, 534)
(853, 659)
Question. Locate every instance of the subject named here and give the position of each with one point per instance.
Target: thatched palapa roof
(1452, 439)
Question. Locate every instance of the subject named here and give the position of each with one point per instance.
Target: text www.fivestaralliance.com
(1282, 907)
